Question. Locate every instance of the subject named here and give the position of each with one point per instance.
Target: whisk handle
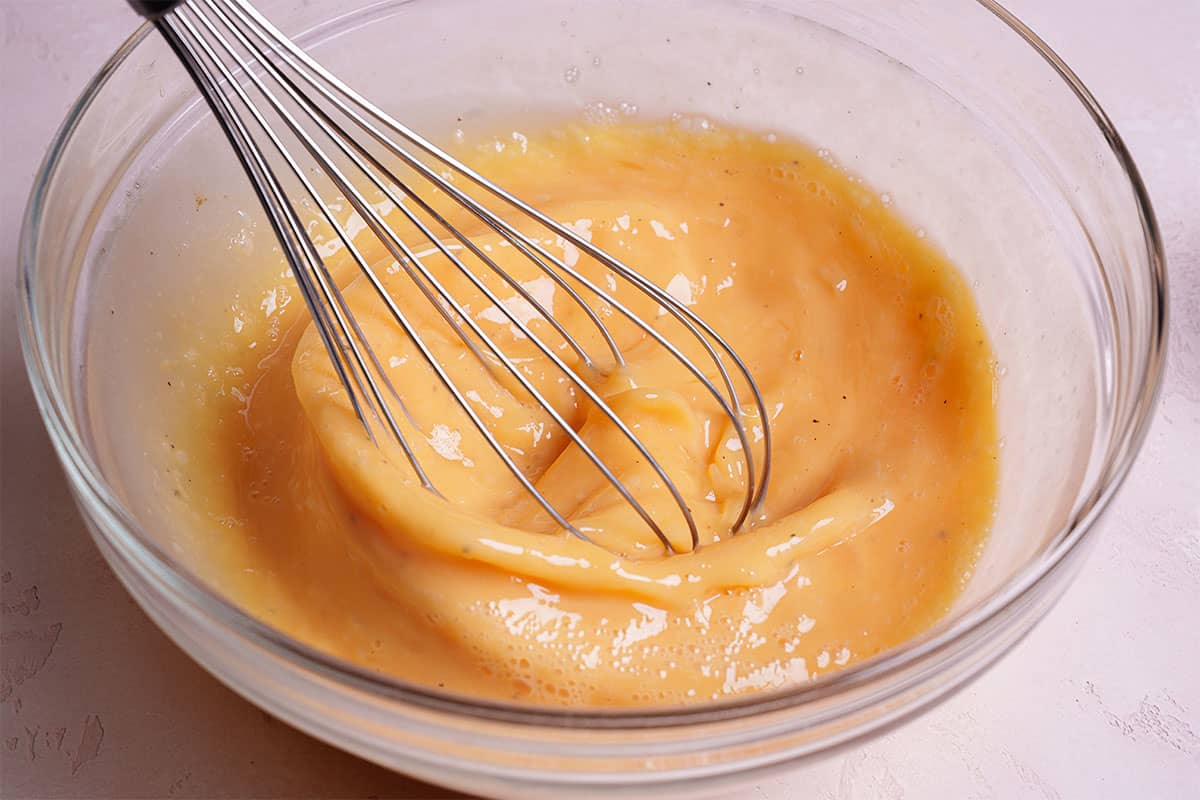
(153, 9)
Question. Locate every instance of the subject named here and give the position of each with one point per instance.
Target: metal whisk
(264, 89)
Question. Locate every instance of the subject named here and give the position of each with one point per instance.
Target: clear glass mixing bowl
(977, 131)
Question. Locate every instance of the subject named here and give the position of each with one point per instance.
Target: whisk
(265, 91)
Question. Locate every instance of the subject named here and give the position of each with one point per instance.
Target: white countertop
(1102, 700)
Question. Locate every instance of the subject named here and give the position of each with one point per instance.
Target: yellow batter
(876, 373)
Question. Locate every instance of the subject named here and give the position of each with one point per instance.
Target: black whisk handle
(153, 9)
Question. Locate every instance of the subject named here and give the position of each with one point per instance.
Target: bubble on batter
(600, 113)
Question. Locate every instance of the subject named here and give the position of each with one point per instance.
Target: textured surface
(1102, 700)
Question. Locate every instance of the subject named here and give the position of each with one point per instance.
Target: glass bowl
(979, 134)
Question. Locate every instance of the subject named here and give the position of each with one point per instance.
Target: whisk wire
(355, 362)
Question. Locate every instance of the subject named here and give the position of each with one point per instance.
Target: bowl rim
(129, 540)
